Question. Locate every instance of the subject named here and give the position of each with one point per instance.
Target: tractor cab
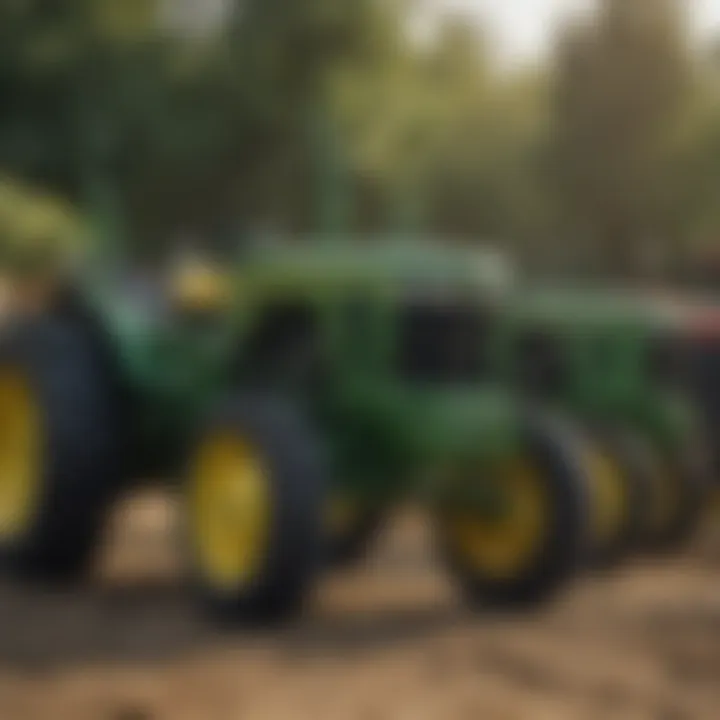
(384, 329)
(602, 351)
(400, 319)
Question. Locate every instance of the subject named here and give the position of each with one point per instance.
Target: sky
(523, 29)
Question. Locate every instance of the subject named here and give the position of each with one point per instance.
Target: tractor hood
(448, 426)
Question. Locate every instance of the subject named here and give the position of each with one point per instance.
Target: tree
(441, 140)
(163, 134)
(621, 87)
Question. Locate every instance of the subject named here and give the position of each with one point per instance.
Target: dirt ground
(387, 641)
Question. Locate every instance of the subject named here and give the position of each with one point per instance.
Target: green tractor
(610, 359)
(299, 403)
(698, 345)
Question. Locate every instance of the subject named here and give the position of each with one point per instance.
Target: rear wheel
(255, 493)
(529, 547)
(670, 493)
(677, 502)
(59, 449)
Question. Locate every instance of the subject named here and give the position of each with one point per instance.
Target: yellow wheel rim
(20, 450)
(230, 511)
(502, 547)
(609, 496)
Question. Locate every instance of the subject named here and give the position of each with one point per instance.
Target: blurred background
(579, 134)
(582, 137)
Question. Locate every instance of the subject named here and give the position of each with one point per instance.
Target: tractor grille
(442, 343)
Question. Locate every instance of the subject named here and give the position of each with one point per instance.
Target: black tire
(628, 537)
(81, 454)
(293, 556)
(350, 547)
(564, 546)
(690, 489)
(639, 462)
(657, 474)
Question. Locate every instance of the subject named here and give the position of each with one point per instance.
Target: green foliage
(37, 228)
(435, 125)
(328, 112)
(621, 91)
(171, 134)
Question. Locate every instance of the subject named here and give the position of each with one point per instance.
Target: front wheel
(527, 547)
(255, 496)
(60, 454)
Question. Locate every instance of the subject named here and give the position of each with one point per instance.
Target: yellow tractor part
(20, 454)
(198, 286)
(609, 496)
(230, 511)
(503, 547)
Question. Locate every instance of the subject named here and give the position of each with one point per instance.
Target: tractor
(698, 346)
(609, 358)
(297, 397)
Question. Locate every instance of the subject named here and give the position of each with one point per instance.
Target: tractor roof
(596, 307)
(311, 266)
